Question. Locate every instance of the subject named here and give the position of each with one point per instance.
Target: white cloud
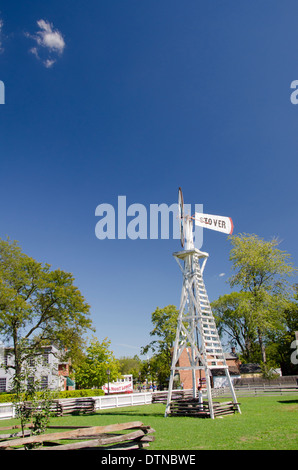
(222, 274)
(33, 51)
(49, 38)
(49, 62)
(49, 43)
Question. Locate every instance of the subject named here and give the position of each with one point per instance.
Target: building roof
(233, 370)
(250, 368)
(231, 355)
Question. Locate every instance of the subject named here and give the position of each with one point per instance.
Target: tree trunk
(262, 346)
(17, 362)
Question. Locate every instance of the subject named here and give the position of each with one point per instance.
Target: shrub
(7, 397)
(81, 393)
(10, 397)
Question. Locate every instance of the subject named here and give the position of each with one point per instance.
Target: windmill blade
(214, 222)
(181, 216)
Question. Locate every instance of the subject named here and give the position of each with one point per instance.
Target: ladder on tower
(196, 329)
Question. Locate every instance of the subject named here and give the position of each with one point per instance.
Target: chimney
(233, 350)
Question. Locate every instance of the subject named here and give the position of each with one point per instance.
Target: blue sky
(137, 98)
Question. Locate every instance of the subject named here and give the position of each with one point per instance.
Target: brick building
(217, 379)
(63, 372)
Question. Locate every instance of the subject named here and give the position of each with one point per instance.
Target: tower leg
(232, 389)
(170, 393)
(174, 361)
(209, 393)
(194, 385)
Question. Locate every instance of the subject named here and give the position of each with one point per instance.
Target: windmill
(196, 328)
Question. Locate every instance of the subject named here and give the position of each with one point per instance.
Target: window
(7, 356)
(31, 362)
(44, 382)
(2, 384)
(30, 382)
(45, 358)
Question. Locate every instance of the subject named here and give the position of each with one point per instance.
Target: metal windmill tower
(196, 329)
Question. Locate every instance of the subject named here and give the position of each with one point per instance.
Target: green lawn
(269, 423)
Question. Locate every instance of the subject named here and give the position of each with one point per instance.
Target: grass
(266, 423)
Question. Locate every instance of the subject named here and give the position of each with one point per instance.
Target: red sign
(118, 387)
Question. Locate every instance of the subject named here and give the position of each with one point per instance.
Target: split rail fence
(110, 437)
(192, 407)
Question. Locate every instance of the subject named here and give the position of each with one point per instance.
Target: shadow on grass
(74, 414)
(287, 401)
(129, 413)
(139, 414)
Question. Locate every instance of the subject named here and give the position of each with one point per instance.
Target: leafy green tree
(130, 365)
(234, 318)
(160, 369)
(38, 306)
(279, 349)
(33, 405)
(164, 331)
(165, 324)
(92, 371)
(263, 271)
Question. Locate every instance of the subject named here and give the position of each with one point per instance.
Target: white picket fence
(7, 410)
(129, 399)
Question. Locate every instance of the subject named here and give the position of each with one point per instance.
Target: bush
(9, 397)
(81, 393)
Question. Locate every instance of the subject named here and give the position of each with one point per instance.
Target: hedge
(94, 392)
(6, 398)
(9, 397)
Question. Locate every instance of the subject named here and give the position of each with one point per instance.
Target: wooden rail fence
(111, 437)
(192, 407)
(161, 397)
(66, 406)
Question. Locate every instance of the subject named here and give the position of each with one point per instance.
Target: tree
(32, 404)
(38, 306)
(281, 342)
(165, 325)
(234, 318)
(158, 368)
(92, 371)
(263, 271)
(130, 365)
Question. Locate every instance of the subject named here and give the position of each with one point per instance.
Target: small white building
(45, 369)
